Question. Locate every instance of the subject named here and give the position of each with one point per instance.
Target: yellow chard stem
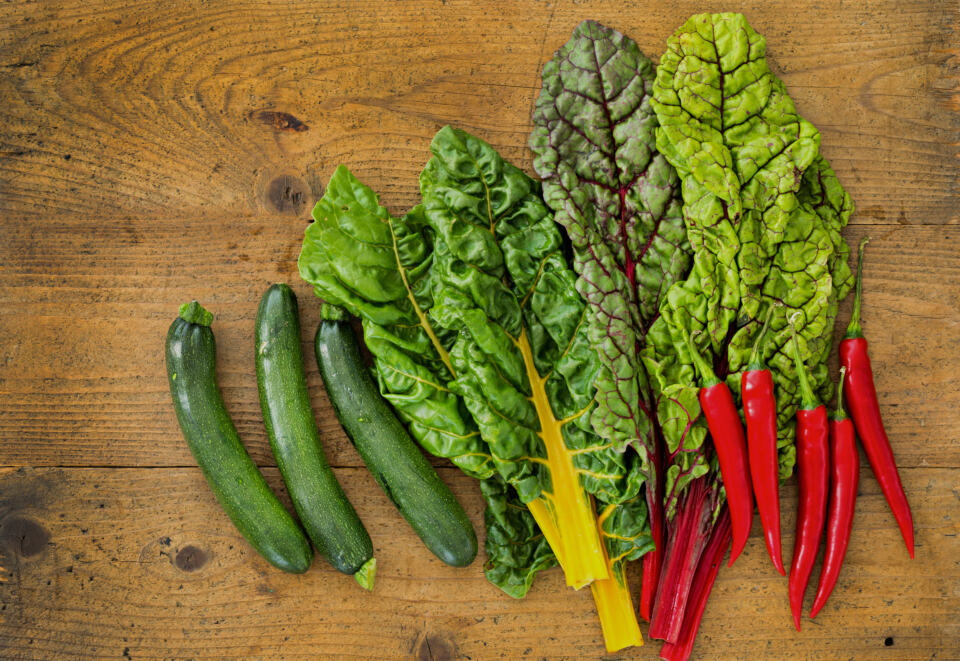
(618, 619)
(541, 514)
(569, 505)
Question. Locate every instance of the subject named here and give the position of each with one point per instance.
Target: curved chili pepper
(760, 412)
(844, 480)
(723, 419)
(865, 410)
(812, 463)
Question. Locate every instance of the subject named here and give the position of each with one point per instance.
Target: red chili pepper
(844, 480)
(730, 443)
(760, 412)
(812, 463)
(865, 410)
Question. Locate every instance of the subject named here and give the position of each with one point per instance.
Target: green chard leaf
(379, 268)
(763, 212)
(478, 335)
(522, 356)
(619, 200)
(516, 548)
(625, 530)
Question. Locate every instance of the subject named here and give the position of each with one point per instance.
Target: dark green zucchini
(213, 440)
(323, 508)
(387, 449)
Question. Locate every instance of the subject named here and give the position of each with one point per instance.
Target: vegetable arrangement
(617, 353)
(330, 520)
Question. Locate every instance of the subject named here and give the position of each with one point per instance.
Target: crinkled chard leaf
(516, 548)
(522, 354)
(477, 330)
(378, 267)
(619, 200)
(625, 530)
(763, 213)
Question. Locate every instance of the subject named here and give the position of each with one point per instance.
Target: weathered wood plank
(84, 311)
(102, 562)
(153, 110)
(152, 152)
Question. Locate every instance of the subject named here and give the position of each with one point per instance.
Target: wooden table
(155, 152)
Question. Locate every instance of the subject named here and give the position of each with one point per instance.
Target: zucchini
(213, 440)
(323, 508)
(386, 447)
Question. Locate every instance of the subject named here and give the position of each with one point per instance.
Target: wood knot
(281, 121)
(288, 194)
(23, 536)
(190, 558)
(434, 647)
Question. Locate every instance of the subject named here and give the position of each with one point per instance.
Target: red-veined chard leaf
(618, 199)
(763, 212)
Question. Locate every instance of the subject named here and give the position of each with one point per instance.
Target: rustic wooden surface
(155, 152)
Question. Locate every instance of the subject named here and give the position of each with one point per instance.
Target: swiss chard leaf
(763, 213)
(516, 548)
(619, 200)
(625, 530)
(522, 355)
(378, 267)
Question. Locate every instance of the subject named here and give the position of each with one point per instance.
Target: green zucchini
(213, 440)
(323, 508)
(387, 449)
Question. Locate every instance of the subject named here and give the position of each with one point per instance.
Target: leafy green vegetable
(618, 199)
(522, 357)
(625, 532)
(473, 318)
(379, 268)
(516, 548)
(763, 213)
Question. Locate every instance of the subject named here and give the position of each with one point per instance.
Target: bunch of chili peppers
(828, 463)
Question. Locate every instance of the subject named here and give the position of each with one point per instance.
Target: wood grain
(143, 562)
(157, 109)
(155, 152)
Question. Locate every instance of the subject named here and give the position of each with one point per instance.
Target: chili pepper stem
(808, 400)
(707, 375)
(840, 413)
(854, 329)
(756, 360)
